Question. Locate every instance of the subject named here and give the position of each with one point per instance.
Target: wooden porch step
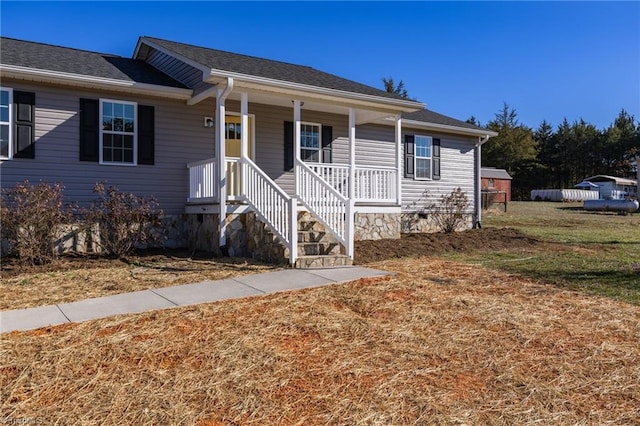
(304, 262)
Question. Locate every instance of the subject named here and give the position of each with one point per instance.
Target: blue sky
(548, 60)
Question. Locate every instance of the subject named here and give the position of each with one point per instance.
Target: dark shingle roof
(282, 71)
(428, 116)
(82, 62)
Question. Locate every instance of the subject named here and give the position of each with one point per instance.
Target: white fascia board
(446, 128)
(79, 80)
(316, 92)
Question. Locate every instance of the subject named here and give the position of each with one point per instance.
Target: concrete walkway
(181, 295)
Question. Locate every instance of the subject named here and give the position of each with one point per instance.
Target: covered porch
(327, 190)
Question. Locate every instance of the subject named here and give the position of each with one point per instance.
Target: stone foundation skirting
(418, 222)
(246, 236)
(377, 226)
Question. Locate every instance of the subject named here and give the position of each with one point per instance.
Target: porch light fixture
(209, 122)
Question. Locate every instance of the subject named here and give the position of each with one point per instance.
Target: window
(118, 139)
(310, 142)
(423, 157)
(5, 122)
(492, 183)
(232, 131)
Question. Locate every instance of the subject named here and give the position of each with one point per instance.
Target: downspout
(478, 197)
(223, 92)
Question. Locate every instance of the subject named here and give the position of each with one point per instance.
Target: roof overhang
(272, 87)
(436, 127)
(307, 92)
(92, 82)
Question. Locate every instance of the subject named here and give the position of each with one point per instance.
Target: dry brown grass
(438, 343)
(75, 279)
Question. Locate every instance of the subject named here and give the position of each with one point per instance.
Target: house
(611, 187)
(497, 182)
(246, 155)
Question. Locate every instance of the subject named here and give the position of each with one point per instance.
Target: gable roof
(45, 58)
(493, 173)
(266, 68)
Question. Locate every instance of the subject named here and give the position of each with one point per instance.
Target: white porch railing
(271, 204)
(331, 208)
(234, 179)
(376, 184)
(247, 182)
(336, 175)
(203, 185)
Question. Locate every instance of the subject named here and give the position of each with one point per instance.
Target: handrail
(271, 204)
(200, 162)
(330, 207)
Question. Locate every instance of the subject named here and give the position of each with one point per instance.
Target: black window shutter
(436, 159)
(89, 131)
(146, 134)
(288, 146)
(327, 138)
(409, 154)
(24, 142)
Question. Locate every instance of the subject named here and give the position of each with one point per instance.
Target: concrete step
(305, 262)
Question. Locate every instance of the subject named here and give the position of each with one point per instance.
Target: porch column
(223, 92)
(352, 153)
(352, 184)
(296, 143)
(398, 160)
(244, 123)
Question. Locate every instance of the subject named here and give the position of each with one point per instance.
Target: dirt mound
(438, 243)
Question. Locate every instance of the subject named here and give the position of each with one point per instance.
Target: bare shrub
(31, 218)
(449, 214)
(126, 221)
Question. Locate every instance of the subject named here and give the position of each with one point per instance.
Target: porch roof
(217, 63)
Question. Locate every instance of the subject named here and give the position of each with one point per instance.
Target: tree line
(548, 157)
(561, 157)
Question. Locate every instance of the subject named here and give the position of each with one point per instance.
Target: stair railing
(272, 205)
(331, 208)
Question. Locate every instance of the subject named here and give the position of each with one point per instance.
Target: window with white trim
(6, 101)
(118, 132)
(310, 142)
(423, 157)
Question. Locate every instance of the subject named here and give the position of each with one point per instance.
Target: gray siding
(457, 167)
(180, 139)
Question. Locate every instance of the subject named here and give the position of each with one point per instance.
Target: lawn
(441, 342)
(598, 253)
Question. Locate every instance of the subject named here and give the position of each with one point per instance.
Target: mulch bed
(437, 243)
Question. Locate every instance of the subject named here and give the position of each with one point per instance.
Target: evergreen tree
(391, 87)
